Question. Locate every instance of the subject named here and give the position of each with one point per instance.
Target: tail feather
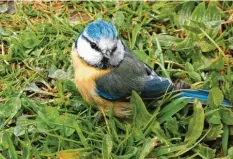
(202, 95)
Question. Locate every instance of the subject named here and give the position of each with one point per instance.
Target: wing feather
(132, 74)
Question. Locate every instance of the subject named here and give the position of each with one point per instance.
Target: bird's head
(100, 46)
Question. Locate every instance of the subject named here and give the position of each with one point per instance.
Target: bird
(106, 72)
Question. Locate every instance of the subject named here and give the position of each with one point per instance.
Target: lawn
(42, 114)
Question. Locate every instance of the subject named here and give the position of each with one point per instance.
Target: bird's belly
(87, 90)
(85, 79)
(86, 87)
(86, 76)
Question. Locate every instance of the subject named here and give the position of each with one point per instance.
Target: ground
(42, 115)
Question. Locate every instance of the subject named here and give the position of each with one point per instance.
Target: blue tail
(202, 95)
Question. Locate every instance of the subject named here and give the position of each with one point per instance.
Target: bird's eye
(93, 45)
(114, 49)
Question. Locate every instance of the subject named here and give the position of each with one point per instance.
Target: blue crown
(100, 29)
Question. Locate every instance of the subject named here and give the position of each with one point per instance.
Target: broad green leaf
(67, 122)
(214, 80)
(52, 113)
(189, 67)
(107, 147)
(196, 123)
(180, 74)
(47, 119)
(171, 109)
(205, 151)
(185, 13)
(140, 113)
(198, 24)
(168, 54)
(31, 40)
(230, 152)
(215, 132)
(11, 107)
(156, 128)
(168, 40)
(186, 44)
(213, 116)
(148, 146)
(213, 13)
(215, 97)
(24, 125)
(138, 135)
(206, 46)
(226, 116)
(217, 64)
(199, 12)
(164, 150)
(195, 76)
(172, 125)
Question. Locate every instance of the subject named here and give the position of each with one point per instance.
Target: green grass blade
(107, 147)
(81, 136)
(196, 123)
(225, 139)
(12, 151)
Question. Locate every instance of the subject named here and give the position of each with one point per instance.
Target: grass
(42, 115)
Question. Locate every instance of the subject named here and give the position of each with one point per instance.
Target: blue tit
(106, 71)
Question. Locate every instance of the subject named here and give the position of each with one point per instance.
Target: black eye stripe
(114, 49)
(92, 44)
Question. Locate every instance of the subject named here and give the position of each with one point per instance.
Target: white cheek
(120, 47)
(87, 53)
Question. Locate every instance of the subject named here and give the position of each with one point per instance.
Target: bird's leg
(123, 110)
(120, 109)
(179, 84)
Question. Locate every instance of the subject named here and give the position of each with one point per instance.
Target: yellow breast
(85, 76)
(85, 79)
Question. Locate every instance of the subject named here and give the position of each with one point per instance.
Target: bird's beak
(107, 54)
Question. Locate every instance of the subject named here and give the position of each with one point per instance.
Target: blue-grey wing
(155, 87)
(132, 74)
